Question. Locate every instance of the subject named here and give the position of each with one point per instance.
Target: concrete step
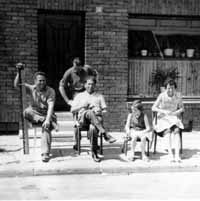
(59, 134)
(66, 125)
(64, 116)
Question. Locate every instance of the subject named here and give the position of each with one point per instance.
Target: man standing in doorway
(72, 81)
(71, 84)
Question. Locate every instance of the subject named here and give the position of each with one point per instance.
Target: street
(151, 186)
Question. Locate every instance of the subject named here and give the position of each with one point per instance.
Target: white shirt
(94, 100)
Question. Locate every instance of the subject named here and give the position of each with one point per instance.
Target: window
(151, 37)
(148, 44)
(163, 42)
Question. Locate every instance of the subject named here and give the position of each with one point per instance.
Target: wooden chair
(126, 144)
(79, 136)
(155, 134)
(36, 127)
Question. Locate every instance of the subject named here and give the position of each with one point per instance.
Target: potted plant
(144, 50)
(159, 76)
(190, 48)
(168, 51)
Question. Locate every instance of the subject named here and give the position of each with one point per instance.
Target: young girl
(137, 126)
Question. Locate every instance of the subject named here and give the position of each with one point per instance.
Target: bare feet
(145, 158)
(177, 159)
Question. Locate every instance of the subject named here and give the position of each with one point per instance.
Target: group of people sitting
(77, 88)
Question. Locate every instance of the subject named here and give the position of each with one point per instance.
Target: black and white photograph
(99, 99)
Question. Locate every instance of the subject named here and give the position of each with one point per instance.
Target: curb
(121, 170)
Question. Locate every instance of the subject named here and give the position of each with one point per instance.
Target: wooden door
(60, 38)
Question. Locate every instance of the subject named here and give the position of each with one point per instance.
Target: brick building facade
(106, 25)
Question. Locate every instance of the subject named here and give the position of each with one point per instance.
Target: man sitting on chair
(90, 107)
(41, 109)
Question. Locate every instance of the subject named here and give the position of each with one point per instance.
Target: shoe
(109, 138)
(122, 150)
(100, 155)
(95, 157)
(45, 157)
(75, 147)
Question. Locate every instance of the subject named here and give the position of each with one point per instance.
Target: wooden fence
(139, 83)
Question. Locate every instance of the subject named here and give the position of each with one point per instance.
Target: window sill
(150, 100)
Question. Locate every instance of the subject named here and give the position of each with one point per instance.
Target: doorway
(60, 39)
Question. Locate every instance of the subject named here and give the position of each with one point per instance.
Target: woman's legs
(168, 134)
(177, 143)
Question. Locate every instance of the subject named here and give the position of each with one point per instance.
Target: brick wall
(18, 42)
(105, 48)
(165, 7)
(106, 27)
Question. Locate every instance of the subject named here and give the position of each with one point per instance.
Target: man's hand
(20, 66)
(86, 105)
(70, 102)
(46, 124)
(97, 110)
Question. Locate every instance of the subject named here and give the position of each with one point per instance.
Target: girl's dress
(171, 104)
(137, 125)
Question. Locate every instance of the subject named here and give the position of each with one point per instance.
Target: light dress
(172, 104)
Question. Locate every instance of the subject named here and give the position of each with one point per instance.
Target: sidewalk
(66, 161)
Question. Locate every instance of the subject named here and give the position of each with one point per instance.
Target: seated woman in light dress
(169, 106)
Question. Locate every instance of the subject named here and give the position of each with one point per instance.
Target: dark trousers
(35, 118)
(94, 124)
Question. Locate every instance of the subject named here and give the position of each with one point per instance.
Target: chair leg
(35, 136)
(101, 144)
(78, 141)
(155, 142)
(181, 142)
(125, 147)
(147, 147)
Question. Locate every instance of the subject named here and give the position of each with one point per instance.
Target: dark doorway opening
(60, 39)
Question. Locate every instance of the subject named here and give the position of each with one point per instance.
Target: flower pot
(190, 53)
(168, 52)
(144, 53)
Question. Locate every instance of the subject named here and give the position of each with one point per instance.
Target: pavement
(65, 160)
